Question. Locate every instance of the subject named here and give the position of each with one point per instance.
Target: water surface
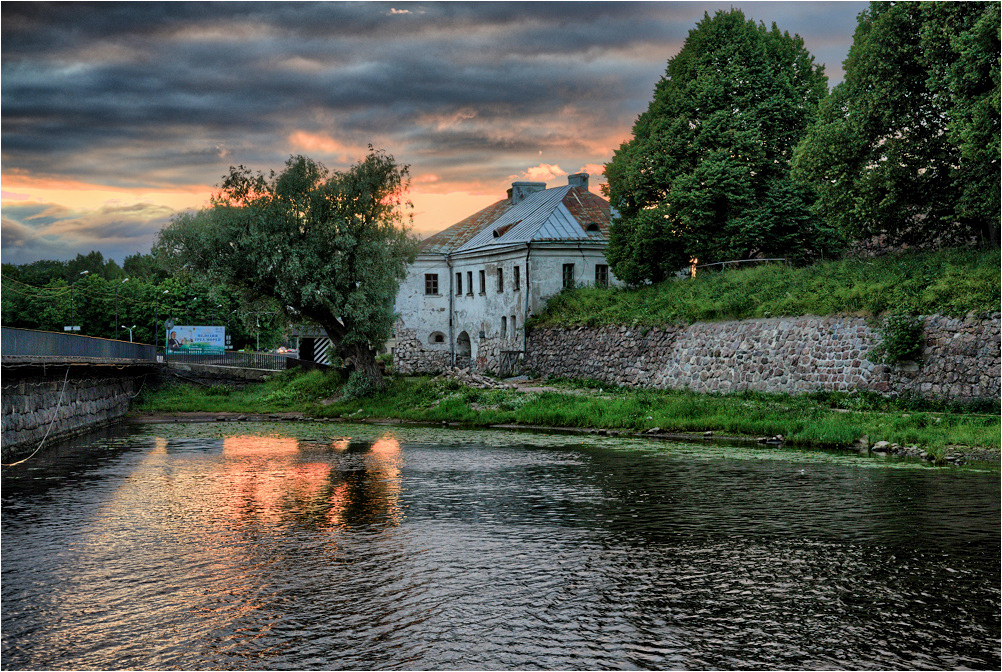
(285, 546)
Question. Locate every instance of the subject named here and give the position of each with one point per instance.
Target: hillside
(948, 282)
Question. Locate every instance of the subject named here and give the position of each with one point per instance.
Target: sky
(117, 116)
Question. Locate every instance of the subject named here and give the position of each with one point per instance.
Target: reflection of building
(473, 285)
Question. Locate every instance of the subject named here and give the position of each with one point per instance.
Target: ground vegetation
(944, 282)
(823, 419)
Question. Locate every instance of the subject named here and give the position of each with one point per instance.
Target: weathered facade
(472, 287)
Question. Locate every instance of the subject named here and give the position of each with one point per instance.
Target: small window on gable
(500, 279)
(469, 283)
(459, 284)
(431, 283)
(515, 279)
(592, 227)
(483, 282)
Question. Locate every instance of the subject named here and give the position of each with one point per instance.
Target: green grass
(285, 391)
(948, 282)
(821, 419)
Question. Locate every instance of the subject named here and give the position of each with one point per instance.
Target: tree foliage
(707, 173)
(330, 247)
(907, 147)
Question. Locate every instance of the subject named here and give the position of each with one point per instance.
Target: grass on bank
(946, 282)
(821, 419)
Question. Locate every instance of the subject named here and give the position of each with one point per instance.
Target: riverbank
(938, 431)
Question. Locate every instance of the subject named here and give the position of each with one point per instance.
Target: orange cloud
(321, 142)
(544, 172)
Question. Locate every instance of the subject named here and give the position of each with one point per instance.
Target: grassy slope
(828, 420)
(951, 282)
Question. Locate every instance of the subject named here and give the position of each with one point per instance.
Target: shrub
(901, 341)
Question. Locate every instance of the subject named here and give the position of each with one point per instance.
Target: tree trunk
(364, 360)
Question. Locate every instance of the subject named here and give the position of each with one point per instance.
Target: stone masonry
(32, 404)
(960, 358)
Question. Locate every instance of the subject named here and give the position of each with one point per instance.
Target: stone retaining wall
(960, 360)
(31, 404)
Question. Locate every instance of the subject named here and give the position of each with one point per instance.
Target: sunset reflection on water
(280, 480)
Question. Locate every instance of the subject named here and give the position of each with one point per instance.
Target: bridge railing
(243, 360)
(31, 343)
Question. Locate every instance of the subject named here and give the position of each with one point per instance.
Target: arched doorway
(463, 346)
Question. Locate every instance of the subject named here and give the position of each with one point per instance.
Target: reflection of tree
(279, 481)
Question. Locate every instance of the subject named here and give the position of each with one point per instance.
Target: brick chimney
(578, 180)
(522, 190)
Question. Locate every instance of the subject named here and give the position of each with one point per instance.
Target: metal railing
(237, 359)
(30, 343)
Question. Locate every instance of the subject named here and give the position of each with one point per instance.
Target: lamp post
(156, 325)
(130, 331)
(73, 318)
(117, 287)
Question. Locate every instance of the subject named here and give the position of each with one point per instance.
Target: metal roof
(542, 216)
(561, 213)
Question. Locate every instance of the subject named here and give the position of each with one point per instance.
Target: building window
(601, 275)
(515, 279)
(500, 279)
(436, 337)
(504, 327)
(469, 283)
(483, 282)
(431, 283)
(568, 275)
(511, 323)
(459, 284)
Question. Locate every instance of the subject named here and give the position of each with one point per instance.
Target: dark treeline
(105, 300)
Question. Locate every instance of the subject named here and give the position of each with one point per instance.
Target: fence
(31, 343)
(243, 360)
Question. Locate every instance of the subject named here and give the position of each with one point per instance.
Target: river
(296, 545)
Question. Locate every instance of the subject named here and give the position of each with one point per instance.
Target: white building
(472, 286)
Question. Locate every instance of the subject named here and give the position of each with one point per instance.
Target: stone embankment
(37, 408)
(960, 358)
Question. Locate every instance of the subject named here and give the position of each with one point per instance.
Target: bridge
(56, 385)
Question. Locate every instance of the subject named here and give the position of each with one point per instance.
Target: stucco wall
(421, 316)
(960, 360)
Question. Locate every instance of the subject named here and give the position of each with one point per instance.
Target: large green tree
(328, 246)
(707, 173)
(907, 146)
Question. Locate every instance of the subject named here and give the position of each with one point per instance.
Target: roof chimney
(578, 180)
(522, 190)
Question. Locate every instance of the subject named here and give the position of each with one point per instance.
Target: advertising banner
(190, 340)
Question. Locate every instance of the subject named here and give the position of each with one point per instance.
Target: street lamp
(74, 327)
(117, 287)
(130, 331)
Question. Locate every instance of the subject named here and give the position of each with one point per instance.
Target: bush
(901, 341)
(358, 386)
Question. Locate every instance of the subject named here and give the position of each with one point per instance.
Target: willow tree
(328, 246)
(707, 172)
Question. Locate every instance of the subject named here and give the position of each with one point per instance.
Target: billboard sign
(193, 340)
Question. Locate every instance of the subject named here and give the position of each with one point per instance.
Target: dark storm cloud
(85, 86)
